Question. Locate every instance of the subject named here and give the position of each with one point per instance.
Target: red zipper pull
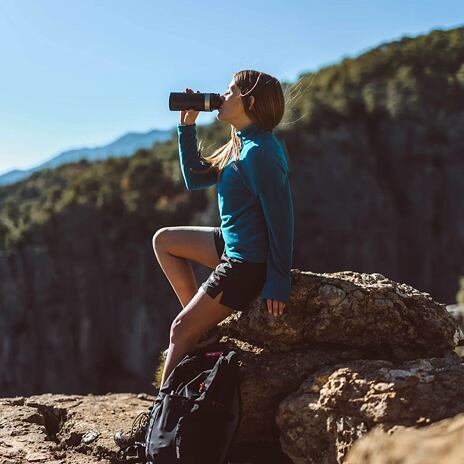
(214, 353)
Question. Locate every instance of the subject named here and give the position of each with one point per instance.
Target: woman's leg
(175, 247)
(201, 314)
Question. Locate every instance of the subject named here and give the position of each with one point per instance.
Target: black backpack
(196, 414)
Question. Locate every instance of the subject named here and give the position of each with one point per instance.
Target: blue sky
(82, 73)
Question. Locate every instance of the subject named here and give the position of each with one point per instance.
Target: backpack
(196, 414)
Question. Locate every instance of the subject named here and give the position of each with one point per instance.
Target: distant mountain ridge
(125, 145)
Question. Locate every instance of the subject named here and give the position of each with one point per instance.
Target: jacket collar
(251, 132)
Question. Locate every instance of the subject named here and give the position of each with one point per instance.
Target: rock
(71, 429)
(267, 377)
(439, 443)
(348, 310)
(319, 422)
(337, 405)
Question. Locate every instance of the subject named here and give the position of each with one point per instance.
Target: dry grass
(159, 371)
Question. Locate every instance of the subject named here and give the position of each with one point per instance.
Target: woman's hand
(275, 307)
(189, 117)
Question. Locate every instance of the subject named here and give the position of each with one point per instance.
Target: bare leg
(175, 247)
(201, 314)
(180, 274)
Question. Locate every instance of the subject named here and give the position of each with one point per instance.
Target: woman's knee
(160, 238)
(194, 243)
(179, 332)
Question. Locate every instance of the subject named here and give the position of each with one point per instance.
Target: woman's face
(232, 106)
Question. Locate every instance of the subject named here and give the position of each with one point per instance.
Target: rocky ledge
(352, 355)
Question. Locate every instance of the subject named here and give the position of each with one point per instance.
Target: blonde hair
(267, 112)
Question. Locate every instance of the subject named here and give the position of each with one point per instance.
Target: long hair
(266, 113)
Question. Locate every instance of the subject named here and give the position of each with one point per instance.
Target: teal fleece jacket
(255, 202)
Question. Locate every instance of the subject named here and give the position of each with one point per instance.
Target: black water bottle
(179, 101)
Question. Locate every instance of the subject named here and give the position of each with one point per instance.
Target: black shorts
(241, 281)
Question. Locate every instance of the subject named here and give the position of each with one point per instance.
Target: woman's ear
(252, 100)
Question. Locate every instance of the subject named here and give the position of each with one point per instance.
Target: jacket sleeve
(190, 159)
(268, 174)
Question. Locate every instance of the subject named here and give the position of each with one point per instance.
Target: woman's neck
(243, 124)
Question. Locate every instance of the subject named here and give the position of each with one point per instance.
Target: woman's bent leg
(200, 315)
(175, 247)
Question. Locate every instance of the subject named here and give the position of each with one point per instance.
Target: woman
(251, 252)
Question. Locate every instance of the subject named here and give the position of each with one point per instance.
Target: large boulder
(337, 405)
(268, 377)
(439, 443)
(348, 310)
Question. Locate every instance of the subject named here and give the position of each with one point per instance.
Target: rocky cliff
(85, 309)
(379, 195)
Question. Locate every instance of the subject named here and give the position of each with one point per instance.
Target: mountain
(126, 145)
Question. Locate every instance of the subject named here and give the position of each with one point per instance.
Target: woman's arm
(190, 158)
(268, 174)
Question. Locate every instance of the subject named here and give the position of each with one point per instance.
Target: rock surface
(269, 377)
(75, 429)
(348, 310)
(439, 443)
(62, 429)
(337, 405)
